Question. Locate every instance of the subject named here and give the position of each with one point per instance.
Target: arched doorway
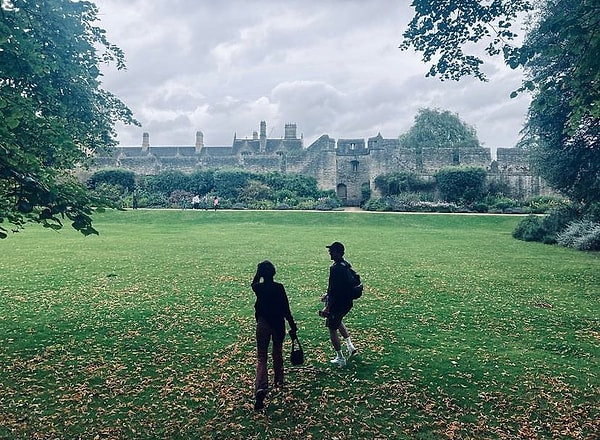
(342, 193)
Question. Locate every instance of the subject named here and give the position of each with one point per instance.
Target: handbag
(297, 354)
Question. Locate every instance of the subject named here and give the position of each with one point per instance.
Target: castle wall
(475, 157)
(319, 162)
(263, 163)
(344, 166)
(432, 159)
(513, 160)
(512, 170)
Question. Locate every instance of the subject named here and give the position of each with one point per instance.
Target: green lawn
(146, 331)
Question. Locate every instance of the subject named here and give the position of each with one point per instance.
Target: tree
(563, 125)
(559, 55)
(439, 129)
(54, 115)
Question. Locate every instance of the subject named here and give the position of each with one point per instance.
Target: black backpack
(356, 283)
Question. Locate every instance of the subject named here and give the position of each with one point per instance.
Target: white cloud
(332, 67)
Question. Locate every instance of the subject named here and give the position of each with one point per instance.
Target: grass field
(146, 331)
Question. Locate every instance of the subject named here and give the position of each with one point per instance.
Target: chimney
(263, 137)
(290, 131)
(199, 141)
(263, 130)
(145, 141)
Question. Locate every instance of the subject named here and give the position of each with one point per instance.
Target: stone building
(346, 165)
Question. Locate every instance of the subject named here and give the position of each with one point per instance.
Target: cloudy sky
(331, 66)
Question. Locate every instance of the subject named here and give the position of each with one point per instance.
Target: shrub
(531, 228)
(557, 220)
(327, 204)
(285, 196)
(261, 204)
(229, 183)
(461, 184)
(307, 204)
(544, 204)
(125, 180)
(583, 235)
(397, 183)
(376, 205)
(109, 192)
(153, 200)
(480, 207)
(201, 181)
(255, 190)
(593, 212)
(180, 199)
(499, 203)
(444, 207)
(165, 182)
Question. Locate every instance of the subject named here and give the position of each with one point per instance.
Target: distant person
(205, 202)
(271, 308)
(215, 203)
(338, 302)
(134, 200)
(196, 202)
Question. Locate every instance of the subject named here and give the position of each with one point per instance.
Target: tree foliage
(441, 29)
(201, 181)
(54, 115)
(563, 126)
(461, 184)
(562, 67)
(435, 128)
(122, 178)
(166, 182)
(396, 183)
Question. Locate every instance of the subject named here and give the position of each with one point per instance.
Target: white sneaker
(352, 351)
(340, 362)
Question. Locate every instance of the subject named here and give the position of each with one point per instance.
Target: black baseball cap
(336, 246)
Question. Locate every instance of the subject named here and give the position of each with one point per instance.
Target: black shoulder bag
(297, 354)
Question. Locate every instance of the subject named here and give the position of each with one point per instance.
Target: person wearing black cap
(272, 308)
(338, 302)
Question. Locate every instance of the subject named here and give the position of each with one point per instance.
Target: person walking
(272, 309)
(216, 203)
(338, 303)
(196, 201)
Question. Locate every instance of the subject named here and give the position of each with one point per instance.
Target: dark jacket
(272, 305)
(339, 287)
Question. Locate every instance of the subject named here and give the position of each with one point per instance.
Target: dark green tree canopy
(54, 115)
(441, 30)
(434, 128)
(562, 68)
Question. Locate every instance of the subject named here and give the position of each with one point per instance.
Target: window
(354, 165)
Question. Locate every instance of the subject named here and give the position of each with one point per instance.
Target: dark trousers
(264, 334)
